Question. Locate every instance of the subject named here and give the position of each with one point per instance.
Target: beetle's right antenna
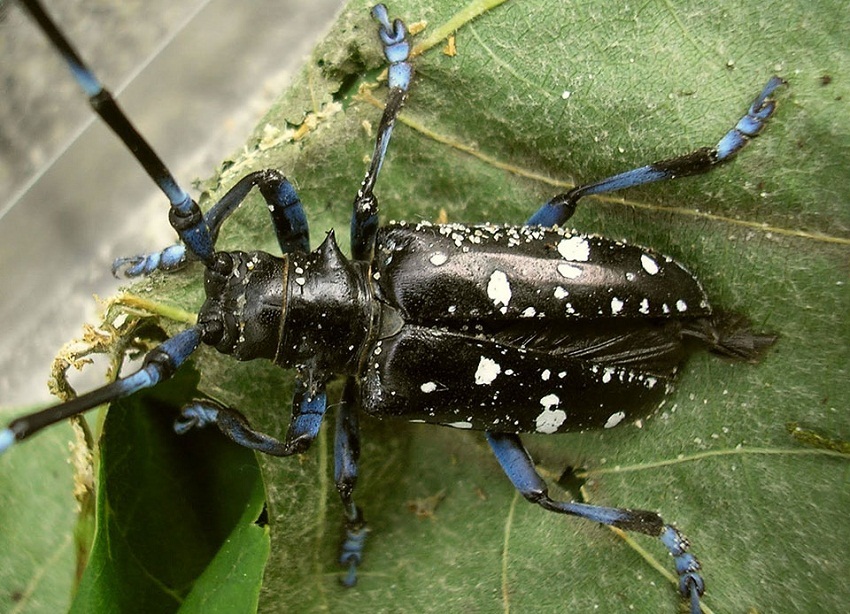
(185, 216)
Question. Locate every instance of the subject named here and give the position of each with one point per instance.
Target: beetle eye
(212, 330)
(223, 264)
(216, 276)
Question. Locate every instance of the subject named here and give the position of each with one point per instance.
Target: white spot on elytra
(615, 419)
(681, 305)
(561, 293)
(529, 312)
(438, 258)
(460, 425)
(499, 288)
(549, 420)
(616, 305)
(569, 271)
(649, 265)
(428, 387)
(546, 375)
(644, 306)
(487, 371)
(574, 248)
(550, 400)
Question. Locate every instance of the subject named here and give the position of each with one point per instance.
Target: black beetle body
(515, 328)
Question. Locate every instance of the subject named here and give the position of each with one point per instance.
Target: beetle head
(242, 313)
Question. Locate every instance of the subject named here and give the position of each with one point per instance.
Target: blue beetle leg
(364, 219)
(185, 216)
(691, 584)
(561, 207)
(557, 211)
(519, 467)
(287, 212)
(172, 258)
(308, 411)
(346, 456)
(159, 364)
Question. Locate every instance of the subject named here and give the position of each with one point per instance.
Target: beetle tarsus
(351, 552)
(691, 583)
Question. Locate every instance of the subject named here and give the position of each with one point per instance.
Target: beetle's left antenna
(159, 364)
(185, 216)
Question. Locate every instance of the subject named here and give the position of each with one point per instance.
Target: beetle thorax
(308, 311)
(328, 312)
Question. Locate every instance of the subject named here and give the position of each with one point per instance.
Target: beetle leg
(308, 411)
(172, 258)
(519, 467)
(561, 207)
(364, 219)
(346, 455)
(287, 212)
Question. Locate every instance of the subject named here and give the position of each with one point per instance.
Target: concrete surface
(194, 75)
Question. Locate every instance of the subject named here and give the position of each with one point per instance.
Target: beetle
(501, 329)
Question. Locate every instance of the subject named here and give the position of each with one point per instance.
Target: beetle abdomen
(525, 329)
(430, 375)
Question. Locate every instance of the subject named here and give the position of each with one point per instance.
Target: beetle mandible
(501, 329)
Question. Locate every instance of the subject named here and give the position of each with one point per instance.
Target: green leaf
(171, 512)
(542, 94)
(37, 517)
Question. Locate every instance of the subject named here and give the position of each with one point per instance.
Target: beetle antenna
(186, 217)
(159, 364)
